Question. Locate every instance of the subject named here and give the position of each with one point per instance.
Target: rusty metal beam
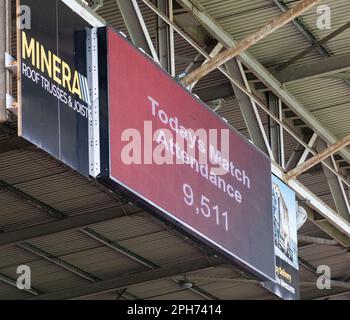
(249, 41)
(318, 158)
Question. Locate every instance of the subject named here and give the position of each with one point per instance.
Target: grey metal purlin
(312, 47)
(163, 37)
(31, 200)
(328, 67)
(118, 248)
(58, 261)
(297, 153)
(302, 28)
(172, 270)
(341, 203)
(133, 25)
(274, 127)
(69, 223)
(246, 107)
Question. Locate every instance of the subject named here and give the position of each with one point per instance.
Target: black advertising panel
(284, 213)
(54, 89)
(174, 155)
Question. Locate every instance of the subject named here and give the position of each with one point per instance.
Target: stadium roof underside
(83, 241)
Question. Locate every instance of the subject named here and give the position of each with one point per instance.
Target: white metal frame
(93, 84)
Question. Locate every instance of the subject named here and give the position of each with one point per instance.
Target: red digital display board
(171, 151)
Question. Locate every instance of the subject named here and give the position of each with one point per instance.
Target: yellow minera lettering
(76, 85)
(28, 50)
(46, 61)
(66, 76)
(37, 54)
(56, 69)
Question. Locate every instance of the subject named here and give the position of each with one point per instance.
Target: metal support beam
(117, 247)
(248, 108)
(127, 295)
(165, 37)
(318, 158)
(169, 271)
(203, 293)
(249, 41)
(307, 265)
(31, 200)
(69, 223)
(340, 76)
(300, 153)
(172, 70)
(317, 240)
(335, 185)
(332, 296)
(274, 131)
(57, 261)
(136, 26)
(318, 69)
(281, 135)
(297, 154)
(236, 280)
(327, 227)
(199, 291)
(3, 111)
(306, 151)
(196, 61)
